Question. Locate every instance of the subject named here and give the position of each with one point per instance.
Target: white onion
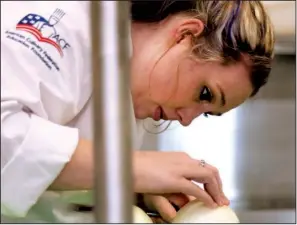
(196, 212)
(139, 216)
(193, 212)
(66, 215)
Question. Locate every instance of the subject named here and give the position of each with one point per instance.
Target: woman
(189, 58)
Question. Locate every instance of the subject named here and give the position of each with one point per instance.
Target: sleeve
(34, 150)
(33, 153)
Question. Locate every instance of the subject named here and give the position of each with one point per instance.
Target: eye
(206, 114)
(205, 94)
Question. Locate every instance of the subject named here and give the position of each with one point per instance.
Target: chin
(140, 115)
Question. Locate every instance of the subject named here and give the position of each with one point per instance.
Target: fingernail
(226, 201)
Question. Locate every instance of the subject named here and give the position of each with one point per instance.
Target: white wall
(282, 14)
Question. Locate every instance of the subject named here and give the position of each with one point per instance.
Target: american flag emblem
(42, 28)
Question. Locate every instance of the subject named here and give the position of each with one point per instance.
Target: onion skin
(196, 212)
(193, 212)
(139, 216)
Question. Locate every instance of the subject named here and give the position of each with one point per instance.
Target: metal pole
(112, 125)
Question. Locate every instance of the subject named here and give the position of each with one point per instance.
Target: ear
(189, 28)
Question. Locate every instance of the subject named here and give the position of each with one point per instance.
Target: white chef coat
(45, 104)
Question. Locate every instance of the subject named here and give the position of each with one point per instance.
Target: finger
(214, 192)
(195, 171)
(158, 220)
(154, 219)
(191, 198)
(204, 175)
(217, 175)
(179, 200)
(189, 188)
(212, 186)
(220, 183)
(163, 206)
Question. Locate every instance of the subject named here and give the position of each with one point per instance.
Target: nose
(186, 116)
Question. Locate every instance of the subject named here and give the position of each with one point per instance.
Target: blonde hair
(233, 29)
(238, 21)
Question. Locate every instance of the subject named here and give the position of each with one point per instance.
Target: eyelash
(210, 114)
(208, 98)
(206, 114)
(208, 93)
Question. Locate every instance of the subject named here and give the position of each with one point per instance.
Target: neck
(148, 46)
(142, 35)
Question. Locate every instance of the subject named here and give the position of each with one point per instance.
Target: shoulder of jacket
(75, 11)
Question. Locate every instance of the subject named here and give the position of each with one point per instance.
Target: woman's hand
(166, 205)
(173, 172)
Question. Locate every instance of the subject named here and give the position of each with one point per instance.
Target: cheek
(188, 83)
(164, 81)
(175, 85)
(184, 93)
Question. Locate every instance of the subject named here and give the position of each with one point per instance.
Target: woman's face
(172, 85)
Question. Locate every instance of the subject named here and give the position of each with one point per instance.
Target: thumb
(164, 207)
(191, 198)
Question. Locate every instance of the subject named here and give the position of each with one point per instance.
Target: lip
(157, 113)
(160, 114)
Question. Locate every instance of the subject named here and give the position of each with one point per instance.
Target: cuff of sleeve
(40, 159)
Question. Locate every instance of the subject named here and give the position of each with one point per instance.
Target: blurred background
(253, 145)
